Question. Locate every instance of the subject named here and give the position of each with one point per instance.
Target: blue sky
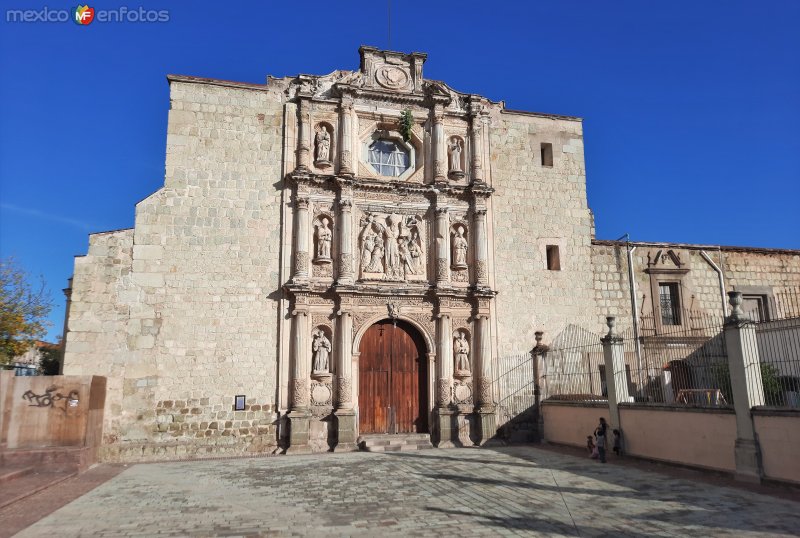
(691, 108)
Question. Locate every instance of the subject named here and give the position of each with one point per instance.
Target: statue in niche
(456, 147)
(322, 349)
(324, 239)
(323, 146)
(461, 351)
(459, 249)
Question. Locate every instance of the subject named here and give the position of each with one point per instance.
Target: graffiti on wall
(48, 399)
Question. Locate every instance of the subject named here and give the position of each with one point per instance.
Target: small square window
(547, 154)
(553, 258)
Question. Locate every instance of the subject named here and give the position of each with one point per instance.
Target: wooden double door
(392, 380)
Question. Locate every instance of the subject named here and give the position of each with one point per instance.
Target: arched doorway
(392, 379)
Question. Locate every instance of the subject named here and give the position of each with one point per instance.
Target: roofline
(540, 114)
(112, 231)
(215, 82)
(690, 246)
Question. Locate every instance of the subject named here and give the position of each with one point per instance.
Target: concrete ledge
(676, 408)
(775, 412)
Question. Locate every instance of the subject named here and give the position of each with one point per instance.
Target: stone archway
(393, 379)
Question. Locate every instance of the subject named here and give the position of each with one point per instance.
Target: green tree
(770, 381)
(52, 357)
(23, 310)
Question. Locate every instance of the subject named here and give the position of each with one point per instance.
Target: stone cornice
(398, 187)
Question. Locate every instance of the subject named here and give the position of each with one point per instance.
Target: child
(617, 443)
(591, 447)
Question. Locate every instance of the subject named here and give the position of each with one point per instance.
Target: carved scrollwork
(443, 390)
(300, 261)
(485, 391)
(347, 160)
(460, 275)
(462, 393)
(481, 271)
(346, 264)
(299, 392)
(322, 271)
(441, 269)
(321, 393)
(344, 390)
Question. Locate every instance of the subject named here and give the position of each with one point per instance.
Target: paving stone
(510, 491)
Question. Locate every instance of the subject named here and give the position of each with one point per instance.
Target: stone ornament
(299, 393)
(391, 247)
(460, 246)
(443, 392)
(462, 393)
(392, 77)
(324, 238)
(344, 390)
(461, 354)
(321, 347)
(321, 394)
(322, 147)
(393, 309)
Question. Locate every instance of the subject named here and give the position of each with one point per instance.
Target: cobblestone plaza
(510, 491)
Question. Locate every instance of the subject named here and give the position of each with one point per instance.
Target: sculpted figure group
(391, 246)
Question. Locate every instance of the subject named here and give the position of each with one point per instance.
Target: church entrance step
(401, 442)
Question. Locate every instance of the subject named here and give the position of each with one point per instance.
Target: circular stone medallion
(321, 394)
(391, 77)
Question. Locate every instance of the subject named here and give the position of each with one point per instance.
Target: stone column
(444, 380)
(476, 138)
(746, 386)
(346, 164)
(481, 248)
(345, 413)
(303, 130)
(301, 255)
(300, 414)
(345, 241)
(439, 146)
(484, 401)
(616, 379)
(442, 240)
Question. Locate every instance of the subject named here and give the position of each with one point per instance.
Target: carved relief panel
(392, 247)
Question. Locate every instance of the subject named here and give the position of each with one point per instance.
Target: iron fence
(514, 387)
(776, 343)
(573, 367)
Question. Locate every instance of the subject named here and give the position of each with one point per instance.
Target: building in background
(358, 253)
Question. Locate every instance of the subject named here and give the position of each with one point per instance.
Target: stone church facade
(333, 256)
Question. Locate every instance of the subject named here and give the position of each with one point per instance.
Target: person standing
(600, 437)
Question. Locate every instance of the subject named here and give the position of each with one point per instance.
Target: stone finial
(611, 321)
(735, 299)
(540, 348)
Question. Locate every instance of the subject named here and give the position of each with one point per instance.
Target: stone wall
(200, 323)
(535, 206)
(98, 340)
(768, 271)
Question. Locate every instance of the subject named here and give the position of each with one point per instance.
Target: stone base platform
(400, 442)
